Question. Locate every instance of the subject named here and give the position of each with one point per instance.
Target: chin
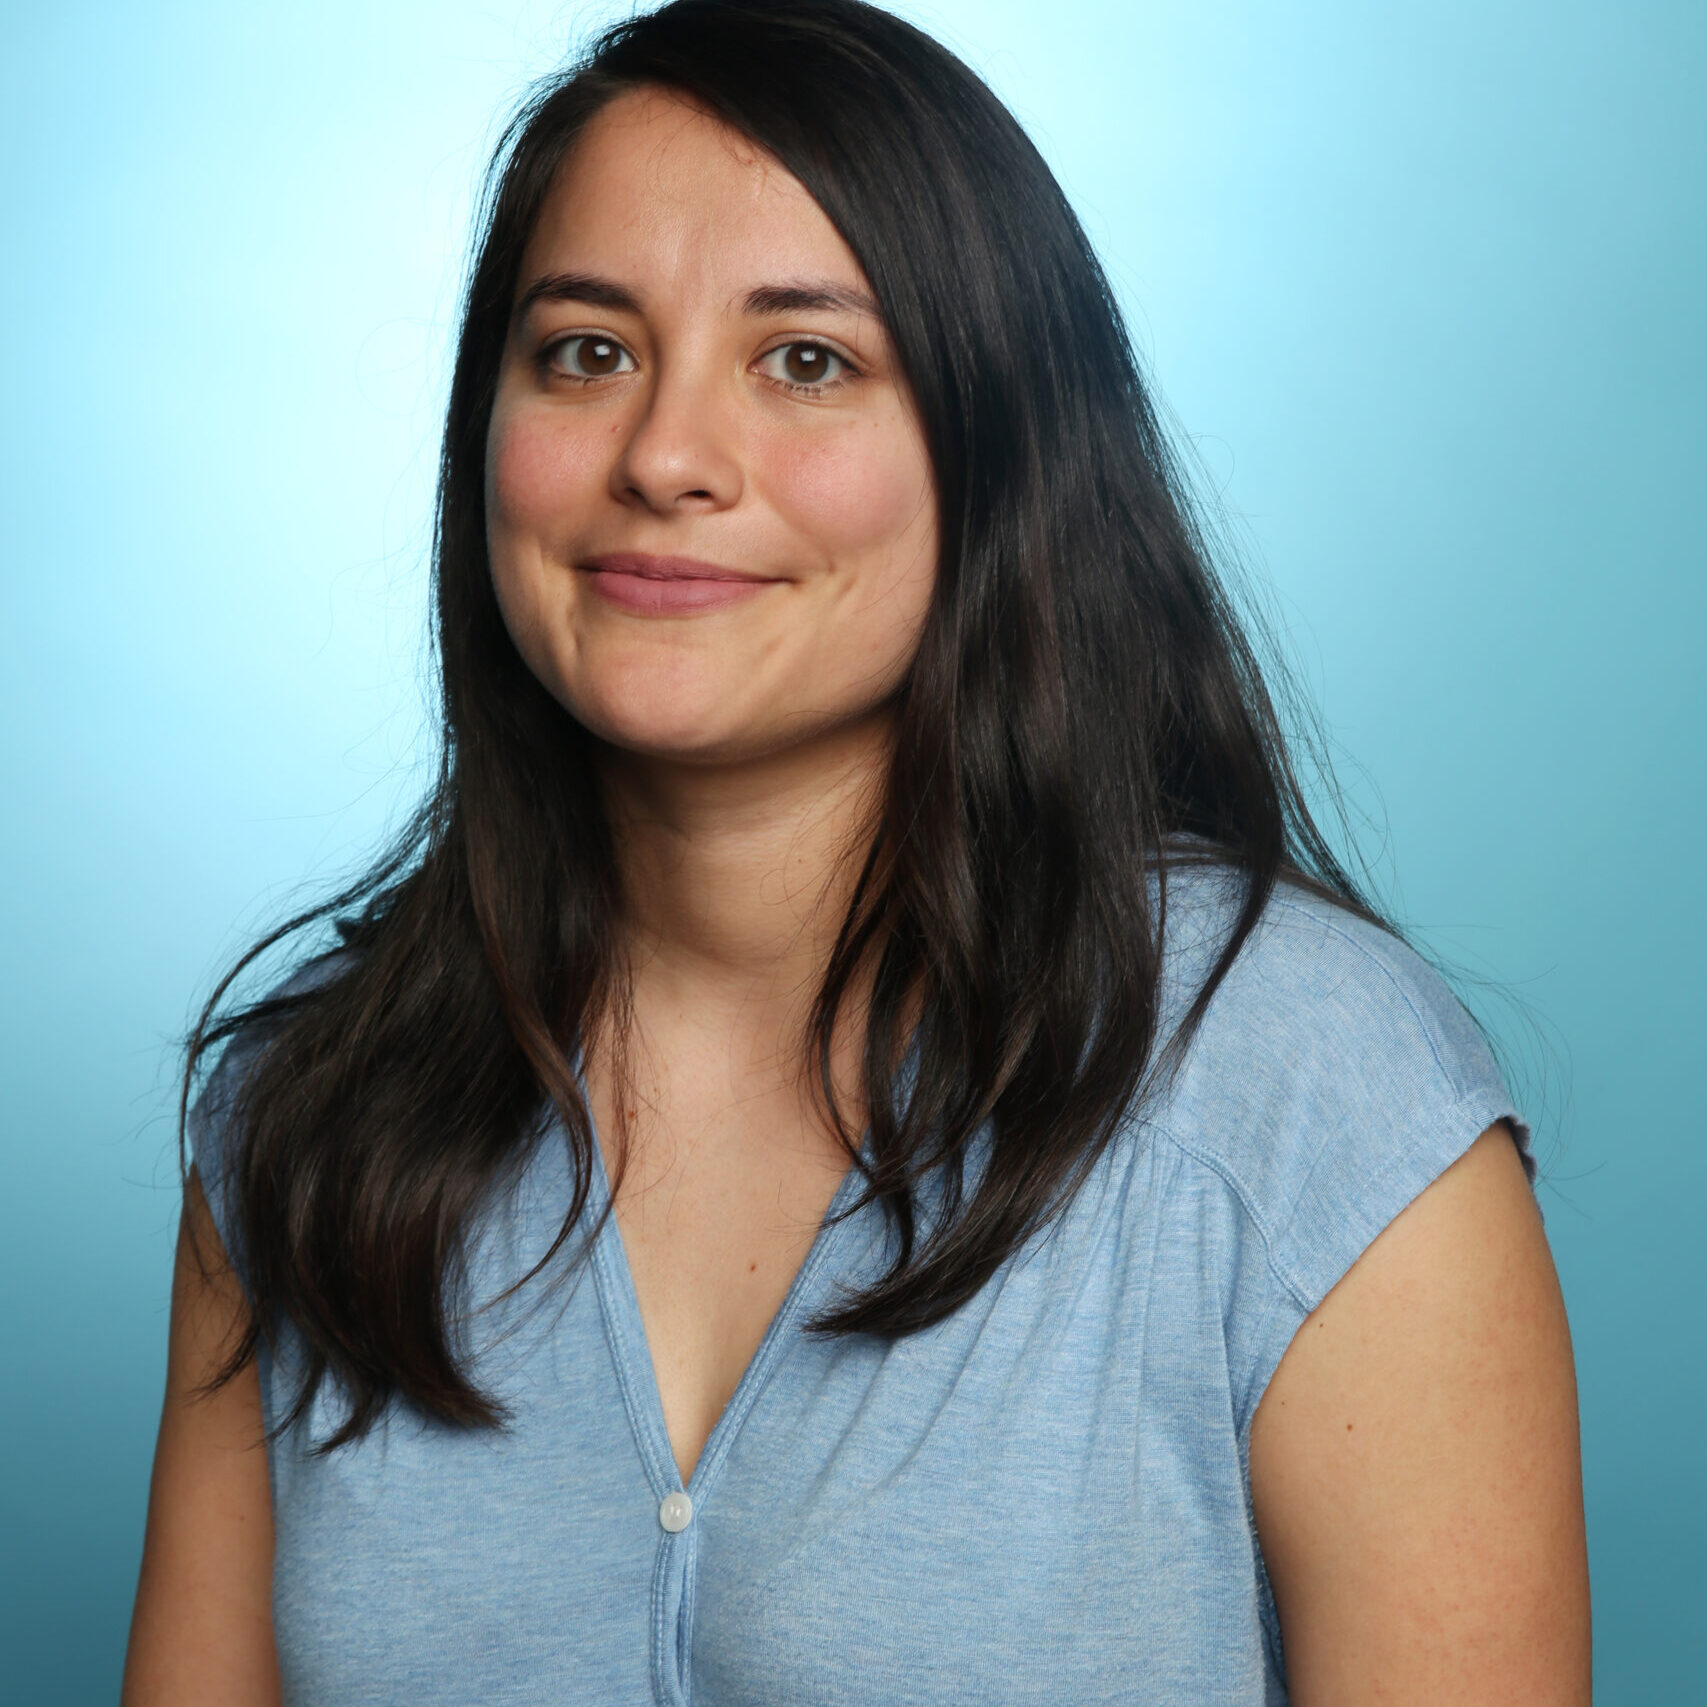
(692, 727)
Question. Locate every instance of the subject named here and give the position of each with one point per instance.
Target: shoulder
(1333, 1077)
(1320, 999)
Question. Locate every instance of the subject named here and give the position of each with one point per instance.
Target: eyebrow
(578, 287)
(805, 298)
(800, 298)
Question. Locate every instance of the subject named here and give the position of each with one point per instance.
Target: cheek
(864, 494)
(541, 471)
(865, 498)
(539, 478)
(543, 476)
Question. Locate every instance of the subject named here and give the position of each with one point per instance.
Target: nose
(679, 453)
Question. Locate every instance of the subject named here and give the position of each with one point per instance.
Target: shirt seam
(1302, 1297)
(1268, 1613)
(1241, 1193)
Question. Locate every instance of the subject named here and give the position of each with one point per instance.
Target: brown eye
(589, 356)
(804, 364)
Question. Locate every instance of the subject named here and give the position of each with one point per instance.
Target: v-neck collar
(636, 1373)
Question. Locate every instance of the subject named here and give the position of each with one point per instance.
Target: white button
(675, 1512)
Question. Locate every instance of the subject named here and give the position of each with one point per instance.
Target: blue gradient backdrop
(1423, 286)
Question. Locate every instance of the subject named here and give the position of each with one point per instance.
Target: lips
(669, 586)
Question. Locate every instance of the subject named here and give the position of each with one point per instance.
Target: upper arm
(202, 1630)
(1414, 1463)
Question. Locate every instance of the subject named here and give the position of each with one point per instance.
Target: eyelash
(547, 357)
(812, 388)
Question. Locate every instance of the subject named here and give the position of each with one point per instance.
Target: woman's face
(710, 509)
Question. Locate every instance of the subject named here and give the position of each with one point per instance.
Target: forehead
(659, 191)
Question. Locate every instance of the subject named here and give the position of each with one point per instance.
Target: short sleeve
(1334, 1078)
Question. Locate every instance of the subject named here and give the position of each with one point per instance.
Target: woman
(864, 1150)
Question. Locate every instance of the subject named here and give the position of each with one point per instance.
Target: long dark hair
(1083, 705)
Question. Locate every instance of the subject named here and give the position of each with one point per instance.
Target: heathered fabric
(1042, 1500)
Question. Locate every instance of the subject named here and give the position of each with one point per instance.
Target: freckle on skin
(752, 1268)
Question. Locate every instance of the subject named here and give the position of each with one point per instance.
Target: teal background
(1422, 285)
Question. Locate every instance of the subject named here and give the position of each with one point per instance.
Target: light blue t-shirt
(1043, 1499)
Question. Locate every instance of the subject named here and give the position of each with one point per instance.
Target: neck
(736, 878)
